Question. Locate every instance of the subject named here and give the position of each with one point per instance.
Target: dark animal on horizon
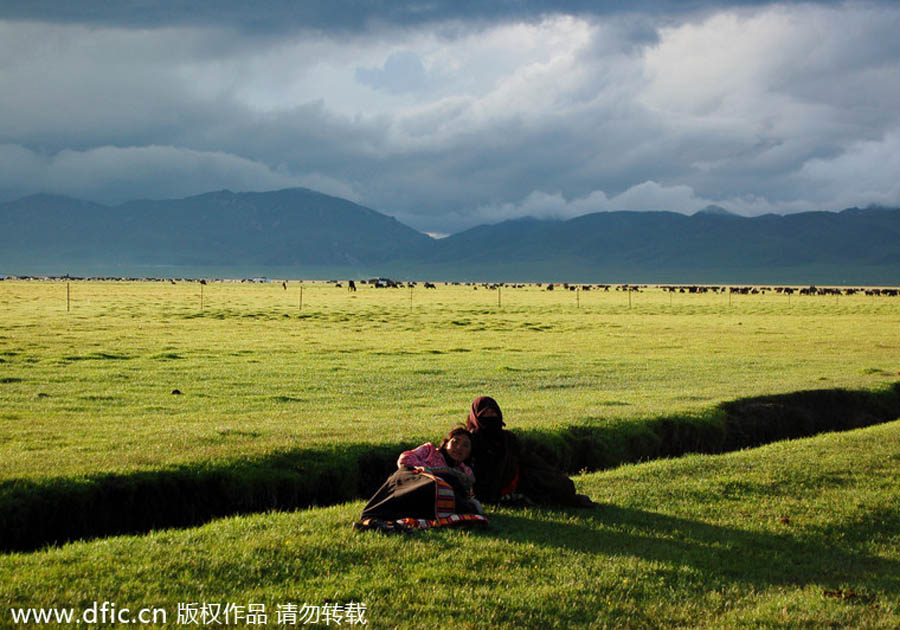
(351, 286)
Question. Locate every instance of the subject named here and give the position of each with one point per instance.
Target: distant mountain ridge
(291, 227)
(702, 240)
(301, 231)
(717, 211)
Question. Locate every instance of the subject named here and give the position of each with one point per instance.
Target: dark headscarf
(476, 422)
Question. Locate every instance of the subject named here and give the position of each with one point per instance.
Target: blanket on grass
(411, 524)
(417, 499)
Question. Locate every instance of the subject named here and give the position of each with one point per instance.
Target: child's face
(459, 447)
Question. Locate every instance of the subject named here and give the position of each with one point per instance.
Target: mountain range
(302, 233)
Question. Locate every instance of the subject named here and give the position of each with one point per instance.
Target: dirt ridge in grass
(34, 514)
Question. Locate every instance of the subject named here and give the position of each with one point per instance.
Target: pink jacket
(427, 456)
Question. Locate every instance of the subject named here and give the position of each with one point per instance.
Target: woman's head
(485, 415)
(457, 444)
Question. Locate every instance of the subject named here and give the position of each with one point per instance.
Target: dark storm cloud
(331, 15)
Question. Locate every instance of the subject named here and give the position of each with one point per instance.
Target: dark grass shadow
(723, 555)
(37, 513)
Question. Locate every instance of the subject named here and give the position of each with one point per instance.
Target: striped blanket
(416, 499)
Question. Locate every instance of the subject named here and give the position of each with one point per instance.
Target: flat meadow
(91, 390)
(125, 378)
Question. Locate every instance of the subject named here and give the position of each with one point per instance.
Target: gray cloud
(764, 107)
(402, 72)
(337, 15)
(114, 173)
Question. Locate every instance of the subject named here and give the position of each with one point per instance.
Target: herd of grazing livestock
(382, 282)
(811, 290)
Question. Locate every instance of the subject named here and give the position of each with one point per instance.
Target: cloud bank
(447, 115)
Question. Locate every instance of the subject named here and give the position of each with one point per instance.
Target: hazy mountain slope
(285, 228)
(704, 240)
(297, 229)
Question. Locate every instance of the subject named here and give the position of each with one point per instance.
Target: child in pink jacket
(450, 457)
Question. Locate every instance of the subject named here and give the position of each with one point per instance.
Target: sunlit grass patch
(795, 534)
(376, 366)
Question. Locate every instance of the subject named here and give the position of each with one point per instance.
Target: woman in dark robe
(507, 473)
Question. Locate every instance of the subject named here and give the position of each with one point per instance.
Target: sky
(448, 114)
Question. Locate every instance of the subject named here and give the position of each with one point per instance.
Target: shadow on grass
(722, 555)
(34, 514)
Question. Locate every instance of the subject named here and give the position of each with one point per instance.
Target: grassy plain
(90, 390)
(799, 534)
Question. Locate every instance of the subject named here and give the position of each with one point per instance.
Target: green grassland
(797, 534)
(89, 391)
